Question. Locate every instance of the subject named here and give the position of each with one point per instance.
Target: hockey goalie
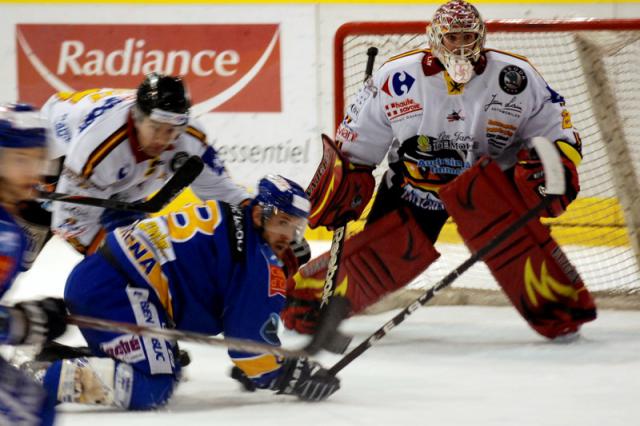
(462, 150)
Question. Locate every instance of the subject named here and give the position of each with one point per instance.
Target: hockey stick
(181, 179)
(333, 309)
(554, 185)
(183, 336)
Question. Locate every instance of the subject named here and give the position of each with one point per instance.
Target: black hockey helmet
(161, 94)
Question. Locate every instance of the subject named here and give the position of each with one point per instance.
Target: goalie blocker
(530, 267)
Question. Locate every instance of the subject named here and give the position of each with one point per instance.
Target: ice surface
(442, 366)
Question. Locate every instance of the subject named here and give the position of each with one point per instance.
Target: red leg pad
(387, 255)
(529, 266)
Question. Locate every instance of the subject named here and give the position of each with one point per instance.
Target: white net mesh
(596, 232)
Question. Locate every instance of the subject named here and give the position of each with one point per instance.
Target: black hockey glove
(43, 320)
(305, 379)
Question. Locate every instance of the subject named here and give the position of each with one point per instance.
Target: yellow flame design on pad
(546, 286)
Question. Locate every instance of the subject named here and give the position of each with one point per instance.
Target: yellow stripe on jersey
(258, 365)
(409, 53)
(149, 267)
(197, 134)
(101, 152)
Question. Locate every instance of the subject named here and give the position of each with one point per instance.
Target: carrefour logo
(398, 84)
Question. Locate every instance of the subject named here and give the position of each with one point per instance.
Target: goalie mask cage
(595, 65)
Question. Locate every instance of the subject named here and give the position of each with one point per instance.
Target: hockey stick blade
(183, 336)
(181, 179)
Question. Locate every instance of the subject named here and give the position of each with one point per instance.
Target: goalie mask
(285, 206)
(456, 36)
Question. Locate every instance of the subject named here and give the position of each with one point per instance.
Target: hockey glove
(111, 219)
(528, 177)
(305, 379)
(42, 321)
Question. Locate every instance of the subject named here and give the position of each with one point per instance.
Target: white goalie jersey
(95, 130)
(434, 128)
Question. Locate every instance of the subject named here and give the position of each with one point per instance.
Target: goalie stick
(333, 309)
(181, 179)
(554, 185)
(183, 336)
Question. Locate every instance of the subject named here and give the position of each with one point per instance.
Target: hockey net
(594, 64)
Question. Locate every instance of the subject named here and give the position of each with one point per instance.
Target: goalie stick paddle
(334, 309)
(554, 184)
(180, 179)
(183, 336)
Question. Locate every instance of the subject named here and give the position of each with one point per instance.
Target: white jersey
(434, 128)
(95, 130)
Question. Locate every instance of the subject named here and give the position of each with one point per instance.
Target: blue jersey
(12, 249)
(212, 272)
(13, 243)
(22, 401)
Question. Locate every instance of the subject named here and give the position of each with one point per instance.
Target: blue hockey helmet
(275, 191)
(21, 126)
(278, 194)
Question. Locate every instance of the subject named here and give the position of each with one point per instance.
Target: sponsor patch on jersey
(127, 348)
(401, 110)
(277, 281)
(398, 84)
(146, 313)
(420, 198)
(508, 107)
(269, 330)
(513, 80)
(345, 134)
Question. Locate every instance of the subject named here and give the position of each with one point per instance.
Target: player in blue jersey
(209, 268)
(23, 141)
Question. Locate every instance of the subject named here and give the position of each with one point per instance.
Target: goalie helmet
(164, 98)
(457, 16)
(21, 126)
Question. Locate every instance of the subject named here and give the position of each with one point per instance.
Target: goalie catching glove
(339, 190)
(528, 176)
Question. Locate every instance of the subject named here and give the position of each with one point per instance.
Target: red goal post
(595, 65)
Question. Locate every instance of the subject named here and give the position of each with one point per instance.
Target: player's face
(459, 42)
(154, 137)
(21, 169)
(281, 229)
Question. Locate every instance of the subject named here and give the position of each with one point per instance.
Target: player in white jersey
(436, 112)
(126, 144)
